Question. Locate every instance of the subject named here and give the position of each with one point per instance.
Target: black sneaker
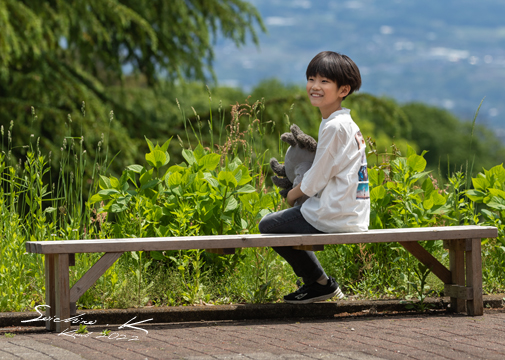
(307, 294)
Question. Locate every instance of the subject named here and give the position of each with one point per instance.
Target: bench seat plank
(259, 240)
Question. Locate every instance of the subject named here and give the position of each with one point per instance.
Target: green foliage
(82, 329)
(198, 196)
(54, 55)
(421, 289)
(452, 144)
(489, 193)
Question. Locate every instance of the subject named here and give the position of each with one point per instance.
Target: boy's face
(325, 94)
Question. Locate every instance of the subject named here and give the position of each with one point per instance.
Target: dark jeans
(291, 221)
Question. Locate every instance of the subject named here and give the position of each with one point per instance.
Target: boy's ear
(344, 90)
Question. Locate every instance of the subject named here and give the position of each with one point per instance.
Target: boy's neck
(325, 113)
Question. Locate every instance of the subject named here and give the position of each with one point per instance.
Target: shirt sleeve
(324, 165)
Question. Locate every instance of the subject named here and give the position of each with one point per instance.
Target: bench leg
(62, 301)
(50, 291)
(457, 267)
(475, 307)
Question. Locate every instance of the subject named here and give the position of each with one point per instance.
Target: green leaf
(373, 177)
(251, 201)
(114, 183)
(108, 192)
(150, 184)
(231, 204)
(157, 158)
(198, 152)
(377, 193)
(266, 201)
(410, 151)
(244, 175)
(157, 255)
(211, 180)
(188, 156)
(104, 182)
(418, 176)
(174, 179)
(145, 177)
(149, 143)
(49, 210)
(497, 192)
(416, 163)
(115, 208)
(480, 183)
(496, 203)
(123, 200)
(209, 161)
(135, 168)
(475, 195)
(238, 175)
(176, 168)
(428, 203)
(226, 178)
(188, 178)
(438, 199)
(428, 187)
(97, 197)
(499, 173)
(164, 147)
(246, 189)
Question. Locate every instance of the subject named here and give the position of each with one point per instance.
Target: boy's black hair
(336, 67)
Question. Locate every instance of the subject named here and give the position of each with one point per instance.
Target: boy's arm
(294, 194)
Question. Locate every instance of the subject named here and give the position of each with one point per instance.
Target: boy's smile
(324, 94)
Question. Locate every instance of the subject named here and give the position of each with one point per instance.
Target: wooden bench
(463, 280)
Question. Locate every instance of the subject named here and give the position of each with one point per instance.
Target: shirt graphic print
(363, 192)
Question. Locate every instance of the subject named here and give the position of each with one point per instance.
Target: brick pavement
(439, 336)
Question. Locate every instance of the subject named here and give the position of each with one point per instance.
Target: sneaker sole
(338, 293)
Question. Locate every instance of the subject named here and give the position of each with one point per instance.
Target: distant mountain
(447, 53)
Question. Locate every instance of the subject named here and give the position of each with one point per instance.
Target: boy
(337, 182)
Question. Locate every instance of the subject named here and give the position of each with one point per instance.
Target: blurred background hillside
(450, 53)
(426, 66)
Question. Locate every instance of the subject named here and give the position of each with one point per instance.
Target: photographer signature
(78, 320)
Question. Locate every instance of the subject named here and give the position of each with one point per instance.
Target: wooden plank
(262, 240)
(221, 251)
(475, 307)
(427, 259)
(92, 275)
(62, 303)
(50, 291)
(457, 266)
(309, 247)
(458, 291)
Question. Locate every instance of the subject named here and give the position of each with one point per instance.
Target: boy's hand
(294, 194)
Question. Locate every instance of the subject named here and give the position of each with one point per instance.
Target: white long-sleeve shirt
(337, 182)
